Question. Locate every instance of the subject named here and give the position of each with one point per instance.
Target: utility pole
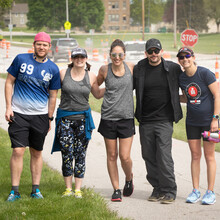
(174, 22)
(143, 20)
(67, 17)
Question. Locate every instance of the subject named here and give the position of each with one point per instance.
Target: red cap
(42, 36)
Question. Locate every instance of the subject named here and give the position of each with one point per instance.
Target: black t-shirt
(156, 99)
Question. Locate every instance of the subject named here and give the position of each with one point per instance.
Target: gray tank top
(75, 94)
(118, 99)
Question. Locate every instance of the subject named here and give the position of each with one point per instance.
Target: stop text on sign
(189, 37)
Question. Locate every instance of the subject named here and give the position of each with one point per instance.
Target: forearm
(8, 95)
(52, 103)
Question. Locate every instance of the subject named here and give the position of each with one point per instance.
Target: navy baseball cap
(185, 50)
(78, 51)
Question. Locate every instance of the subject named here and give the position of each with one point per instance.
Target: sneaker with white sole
(37, 195)
(209, 198)
(13, 196)
(194, 196)
(68, 192)
(78, 193)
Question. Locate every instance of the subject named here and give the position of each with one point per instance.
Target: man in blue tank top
(30, 94)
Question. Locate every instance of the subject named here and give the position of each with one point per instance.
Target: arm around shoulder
(102, 74)
(95, 89)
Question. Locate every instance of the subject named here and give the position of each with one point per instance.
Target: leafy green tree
(213, 11)
(189, 15)
(46, 13)
(154, 10)
(88, 14)
(5, 4)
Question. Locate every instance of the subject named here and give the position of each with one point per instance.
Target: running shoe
(37, 194)
(116, 196)
(194, 196)
(78, 193)
(68, 192)
(208, 198)
(13, 196)
(128, 188)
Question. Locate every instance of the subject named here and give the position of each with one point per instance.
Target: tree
(213, 11)
(189, 15)
(154, 7)
(5, 4)
(88, 14)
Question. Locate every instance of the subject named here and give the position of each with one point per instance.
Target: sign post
(189, 37)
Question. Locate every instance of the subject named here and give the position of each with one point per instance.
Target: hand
(9, 115)
(214, 125)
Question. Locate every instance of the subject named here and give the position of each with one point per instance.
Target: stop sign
(189, 37)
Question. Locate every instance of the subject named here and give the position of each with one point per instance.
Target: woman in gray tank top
(74, 121)
(117, 117)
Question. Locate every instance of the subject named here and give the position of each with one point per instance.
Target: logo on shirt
(193, 92)
(46, 76)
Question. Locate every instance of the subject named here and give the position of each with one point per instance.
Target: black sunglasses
(187, 56)
(156, 51)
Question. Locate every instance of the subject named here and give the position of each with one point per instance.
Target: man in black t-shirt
(158, 105)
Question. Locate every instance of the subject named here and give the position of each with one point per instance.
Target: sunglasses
(120, 55)
(187, 56)
(156, 51)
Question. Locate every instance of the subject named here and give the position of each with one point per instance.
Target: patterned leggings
(73, 141)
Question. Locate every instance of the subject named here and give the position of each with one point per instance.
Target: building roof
(20, 8)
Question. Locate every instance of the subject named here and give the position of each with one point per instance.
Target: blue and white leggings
(73, 141)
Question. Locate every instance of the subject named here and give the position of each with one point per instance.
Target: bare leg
(112, 155)
(124, 154)
(209, 152)
(68, 181)
(196, 153)
(36, 165)
(78, 183)
(16, 165)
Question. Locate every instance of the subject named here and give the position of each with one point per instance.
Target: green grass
(53, 206)
(207, 43)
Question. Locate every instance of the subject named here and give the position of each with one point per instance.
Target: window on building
(124, 18)
(124, 4)
(113, 5)
(114, 28)
(113, 17)
(22, 20)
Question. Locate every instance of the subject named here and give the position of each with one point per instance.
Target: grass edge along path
(92, 206)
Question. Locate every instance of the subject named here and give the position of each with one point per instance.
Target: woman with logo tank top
(74, 123)
(117, 117)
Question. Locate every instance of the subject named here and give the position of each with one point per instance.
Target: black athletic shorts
(28, 130)
(195, 132)
(124, 128)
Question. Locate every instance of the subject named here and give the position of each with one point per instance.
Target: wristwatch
(51, 118)
(216, 116)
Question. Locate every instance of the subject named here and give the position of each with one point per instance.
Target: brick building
(117, 15)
